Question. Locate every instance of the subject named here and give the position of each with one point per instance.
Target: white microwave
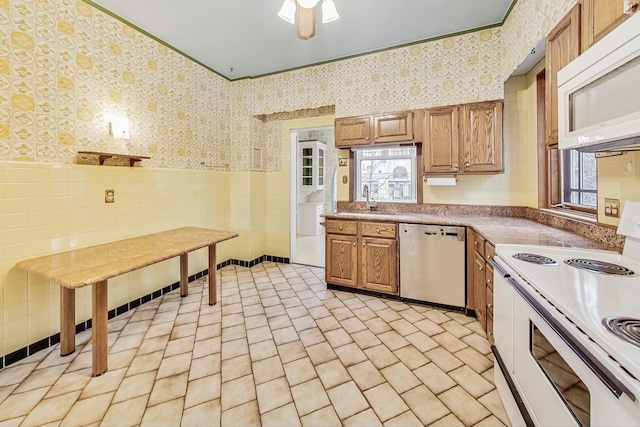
(599, 94)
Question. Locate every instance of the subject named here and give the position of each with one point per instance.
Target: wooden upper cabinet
(599, 17)
(463, 139)
(440, 146)
(352, 131)
(481, 137)
(563, 46)
(378, 128)
(396, 127)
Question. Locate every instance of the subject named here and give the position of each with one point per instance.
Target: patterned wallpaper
(66, 66)
(529, 22)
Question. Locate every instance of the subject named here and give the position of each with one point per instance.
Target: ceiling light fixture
(302, 13)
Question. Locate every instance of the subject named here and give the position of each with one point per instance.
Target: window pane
(390, 173)
(580, 181)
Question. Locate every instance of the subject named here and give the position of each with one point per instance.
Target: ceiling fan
(302, 13)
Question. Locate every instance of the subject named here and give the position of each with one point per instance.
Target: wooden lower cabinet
(378, 265)
(480, 280)
(356, 259)
(341, 256)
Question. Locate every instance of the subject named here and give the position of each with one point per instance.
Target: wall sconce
(119, 127)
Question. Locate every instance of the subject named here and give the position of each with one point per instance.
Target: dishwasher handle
(435, 231)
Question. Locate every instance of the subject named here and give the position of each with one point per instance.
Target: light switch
(345, 179)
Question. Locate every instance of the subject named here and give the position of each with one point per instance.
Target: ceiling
(246, 38)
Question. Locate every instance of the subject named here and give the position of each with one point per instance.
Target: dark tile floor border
(23, 353)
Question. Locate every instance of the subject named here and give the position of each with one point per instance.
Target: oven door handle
(499, 268)
(600, 371)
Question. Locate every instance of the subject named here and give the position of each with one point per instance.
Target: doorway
(313, 191)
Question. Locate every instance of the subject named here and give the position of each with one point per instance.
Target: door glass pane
(600, 100)
(566, 382)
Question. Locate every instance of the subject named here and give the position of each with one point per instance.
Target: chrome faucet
(371, 203)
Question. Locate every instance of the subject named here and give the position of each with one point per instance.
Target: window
(579, 179)
(389, 172)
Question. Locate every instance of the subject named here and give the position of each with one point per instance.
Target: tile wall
(618, 178)
(53, 207)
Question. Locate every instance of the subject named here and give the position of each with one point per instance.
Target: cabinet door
(341, 267)
(379, 265)
(599, 17)
(352, 131)
(397, 127)
(440, 147)
(479, 288)
(481, 129)
(563, 46)
(471, 299)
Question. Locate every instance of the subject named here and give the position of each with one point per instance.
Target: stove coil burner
(602, 267)
(535, 259)
(626, 328)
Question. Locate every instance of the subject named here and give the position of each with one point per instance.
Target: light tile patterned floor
(310, 250)
(278, 350)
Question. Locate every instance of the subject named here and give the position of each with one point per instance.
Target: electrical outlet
(612, 208)
(109, 196)
(345, 179)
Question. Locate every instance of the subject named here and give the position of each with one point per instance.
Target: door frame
(293, 179)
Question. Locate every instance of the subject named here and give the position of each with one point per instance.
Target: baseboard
(23, 353)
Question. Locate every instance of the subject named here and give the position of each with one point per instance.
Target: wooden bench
(94, 265)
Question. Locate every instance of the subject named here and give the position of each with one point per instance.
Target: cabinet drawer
(489, 301)
(478, 244)
(488, 274)
(334, 226)
(379, 229)
(489, 251)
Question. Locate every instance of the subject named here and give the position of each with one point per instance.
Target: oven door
(545, 371)
(560, 378)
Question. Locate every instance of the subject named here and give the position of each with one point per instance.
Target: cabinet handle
(467, 164)
(354, 243)
(377, 230)
(489, 282)
(480, 268)
(363, 243)
(340, 227)
(475, 243)
(490, 307)
(456, 166)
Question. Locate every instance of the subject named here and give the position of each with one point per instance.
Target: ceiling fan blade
(306, 22)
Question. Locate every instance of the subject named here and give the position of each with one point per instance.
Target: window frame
(552, 173)
(419, 170)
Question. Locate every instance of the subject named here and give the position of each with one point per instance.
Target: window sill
(573, 214)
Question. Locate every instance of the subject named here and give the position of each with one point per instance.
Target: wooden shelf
(104, 156)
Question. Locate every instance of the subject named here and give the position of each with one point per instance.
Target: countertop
(496, 229)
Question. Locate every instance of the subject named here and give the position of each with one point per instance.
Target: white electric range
(567, 331)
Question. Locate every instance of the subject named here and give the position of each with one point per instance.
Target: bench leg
(67, 321)
(184, 275)
(99, 309)
(213, 292)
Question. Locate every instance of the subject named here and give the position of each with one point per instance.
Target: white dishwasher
(432, 264)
